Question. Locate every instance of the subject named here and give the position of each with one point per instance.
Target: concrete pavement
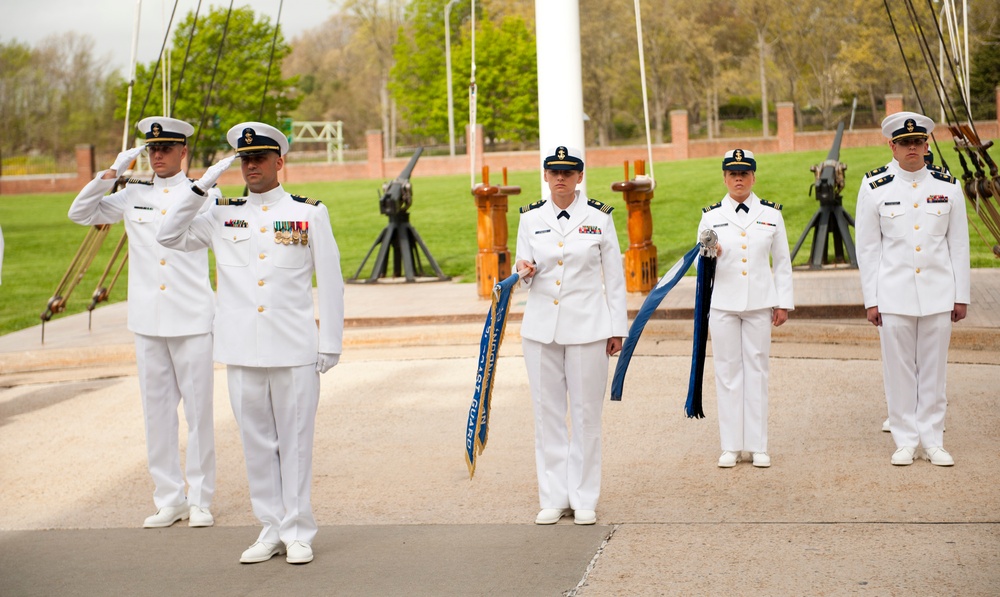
(399, 515)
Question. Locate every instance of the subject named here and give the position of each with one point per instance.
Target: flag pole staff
(131, 75)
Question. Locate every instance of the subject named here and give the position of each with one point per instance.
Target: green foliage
(240, 88)
(984, 79)
(506, 79)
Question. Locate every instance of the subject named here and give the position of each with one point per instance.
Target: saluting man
(575, 318)
(170, 310)
(750, 295)
(267, 247)
(913, 253)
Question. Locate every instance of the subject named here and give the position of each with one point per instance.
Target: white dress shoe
(885, 426)
(903, 456)
(729, 459)
(550, 515)
(761, 460)
(939, 456)
(261, 552)
(299, 553)
(165, 517)
(200, 517)
(584, 516)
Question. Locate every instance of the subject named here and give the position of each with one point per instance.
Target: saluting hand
(207, 180)
(125, 159)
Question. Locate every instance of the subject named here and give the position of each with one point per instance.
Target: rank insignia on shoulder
(230, 200)
(771, 204)
(876, 172)
(936, 168)
(943, 176)
(600, 206)
(139, 181)
(882, 181)
(306, 200)
(526, 208)
(711, 207)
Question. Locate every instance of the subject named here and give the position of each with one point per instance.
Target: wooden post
(640, 258)
(493, 258)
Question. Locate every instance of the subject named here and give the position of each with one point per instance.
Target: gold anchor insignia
(738, 154)
(156, 129)
(561, 153)
(910, 125)
(248, 135)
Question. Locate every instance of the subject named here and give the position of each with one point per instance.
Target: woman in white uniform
(750, 295)
(575, 318)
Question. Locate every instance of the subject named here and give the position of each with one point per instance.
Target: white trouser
(914, 366)
(171, 369)
(276, 411)
(569, 469)
(741, 346)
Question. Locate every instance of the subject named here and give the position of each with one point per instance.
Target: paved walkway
(399, 515)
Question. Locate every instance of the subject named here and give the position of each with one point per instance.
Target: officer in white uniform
(575, 318)
(913, 253)
(170, 310)
(750, 295)
(267, 247)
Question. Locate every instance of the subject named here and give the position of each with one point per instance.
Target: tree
(214, 98)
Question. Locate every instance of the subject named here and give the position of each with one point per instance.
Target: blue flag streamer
(702, 305)
(665, 285)
(477, 428)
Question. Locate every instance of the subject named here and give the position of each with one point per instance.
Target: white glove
(125, 159)
(207, 180)
(325, 361)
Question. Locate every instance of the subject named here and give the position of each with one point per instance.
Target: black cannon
(830, 219)
(399, 235)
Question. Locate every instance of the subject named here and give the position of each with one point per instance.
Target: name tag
(142, 207)
(720, 225)
(543, 231)
(891, 203)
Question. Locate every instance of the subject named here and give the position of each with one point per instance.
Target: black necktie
(743, 207)
(563, 214)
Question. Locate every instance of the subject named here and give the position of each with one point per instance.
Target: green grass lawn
(41, 241)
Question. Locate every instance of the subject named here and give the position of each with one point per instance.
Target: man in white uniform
(750, 295)
(170, 310)
(574, 320)
(913, 253)
(267, 247)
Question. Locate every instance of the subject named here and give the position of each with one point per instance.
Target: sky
(110, 22)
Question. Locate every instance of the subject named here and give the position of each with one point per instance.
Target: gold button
(263, 228)
(264, 208)
(234, 237)
(166, 190)
(744, 246)
(918, 270)
(916, 205)
(163, 212)
(260, 309)
(743, 233)
(140, 219)
(918, 248)
(555, 302)
(744, 260)
(560, 262)
(262, 255)
(260, 282)
(917, 227)
(558, 282)
(163, 262)
(914, 185)
(162, 287)
(939, 212)
(560, 243)
(744, 272)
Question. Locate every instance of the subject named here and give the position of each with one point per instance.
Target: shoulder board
(600, 206)
(877, 171)
(771, 204)
(139, 181)
(711, 207)
(935, 168)
(525, 209)
(306, 200)
(882, 181)
(943, 176)
(230, 201)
